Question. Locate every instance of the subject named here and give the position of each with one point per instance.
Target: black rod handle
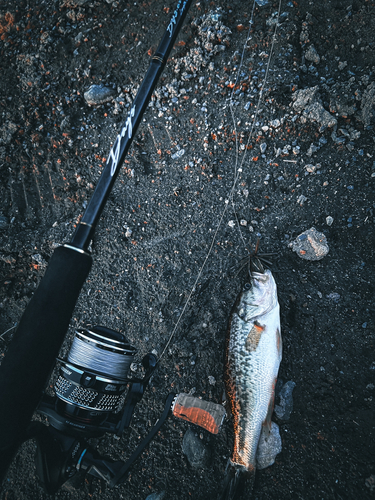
(32, 352)
(116, 157)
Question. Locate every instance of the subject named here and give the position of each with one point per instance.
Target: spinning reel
(91, 399)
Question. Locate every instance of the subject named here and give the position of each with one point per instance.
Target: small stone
(301, 199)
(178, 154)
(231, 223)
(211, 380)
(335, 297)
(275, 123)
(310, 168)
(342, 65)
(98, 94)
(312, 149)
(316, 112)
(39, 261)
(3, 222)
(313, 247)
(156, 496)
(329, 220)
(285, 407)
(263, 147)
(302, 98)
(195, 451)
(243, 222)
(312, 55)
(269, 446)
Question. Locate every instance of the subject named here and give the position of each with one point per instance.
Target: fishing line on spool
(100, 357)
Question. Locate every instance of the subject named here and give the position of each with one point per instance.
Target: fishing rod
(86, 398)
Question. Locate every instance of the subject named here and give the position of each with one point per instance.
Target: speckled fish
(253, 358)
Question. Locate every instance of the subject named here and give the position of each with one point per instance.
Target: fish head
(259, 295)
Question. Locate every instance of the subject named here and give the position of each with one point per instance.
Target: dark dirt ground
(52, 149)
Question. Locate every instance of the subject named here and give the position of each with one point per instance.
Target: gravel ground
(302, 151)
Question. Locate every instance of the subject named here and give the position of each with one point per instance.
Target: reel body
(91, 399)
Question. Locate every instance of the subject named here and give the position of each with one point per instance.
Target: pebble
(275, 123)
(302, 98)
(3, 222)
(269, 446)
(284, 409)
(156, 496)
(329, 220)
(263, 147)
(312, 55)
(98, 94)
(301, 199)
(334, 296)
(195, 451)
(315, 112)
(38, 259)
(310, 168)
(178, 154)
(310, 245)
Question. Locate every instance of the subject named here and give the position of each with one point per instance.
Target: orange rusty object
(206, 414)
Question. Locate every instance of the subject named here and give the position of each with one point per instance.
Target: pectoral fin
(267, 420)
(253, 338)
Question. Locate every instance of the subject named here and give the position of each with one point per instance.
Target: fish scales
(253, 359)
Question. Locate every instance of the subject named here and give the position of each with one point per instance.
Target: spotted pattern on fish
(253, 357)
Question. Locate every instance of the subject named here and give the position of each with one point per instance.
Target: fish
(253, 356)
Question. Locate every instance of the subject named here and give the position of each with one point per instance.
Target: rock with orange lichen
(310, 245)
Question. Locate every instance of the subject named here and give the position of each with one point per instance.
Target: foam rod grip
(31, 354)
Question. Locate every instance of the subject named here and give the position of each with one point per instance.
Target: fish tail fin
(238, 482)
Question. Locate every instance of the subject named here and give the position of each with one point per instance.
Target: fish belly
(253, 359)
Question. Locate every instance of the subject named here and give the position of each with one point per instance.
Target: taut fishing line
(237, 171)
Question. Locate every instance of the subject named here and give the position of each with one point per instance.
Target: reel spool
(93, 379)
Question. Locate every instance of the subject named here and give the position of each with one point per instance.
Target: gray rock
(368, 105)
(98, 94)
(312, 55)
(156, 496)
(195, 451)
(342, 105)
(310, 245)
(285, 407)
(302, 98)
(269, 446)
(316, 112)
(312, 149)
(7, 131)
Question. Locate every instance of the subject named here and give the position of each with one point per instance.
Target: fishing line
(100, 356)
(237, 172)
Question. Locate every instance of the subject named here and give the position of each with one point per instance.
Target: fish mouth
(256, 265)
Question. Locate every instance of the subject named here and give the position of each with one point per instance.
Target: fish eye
(247, 286)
